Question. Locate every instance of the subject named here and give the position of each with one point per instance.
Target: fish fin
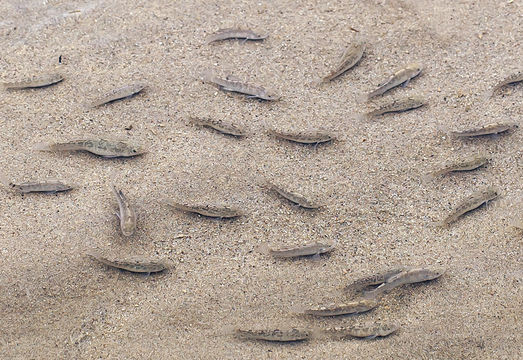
(318, 82)
(316, 257)
(207, 76)
(42, 147)
(371, 337)
(405, 83)
(488, 94)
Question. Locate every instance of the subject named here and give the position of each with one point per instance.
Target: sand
(57, 303)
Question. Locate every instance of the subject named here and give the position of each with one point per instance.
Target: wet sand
(56, 302)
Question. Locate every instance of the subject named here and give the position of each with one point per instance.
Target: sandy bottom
(57, 303)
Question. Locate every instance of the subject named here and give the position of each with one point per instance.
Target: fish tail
(263, 248)
(428, 177)
(43, 147)
(361, 98)
(207, 76)
(297, 309)
(5, 181)
(362, 116)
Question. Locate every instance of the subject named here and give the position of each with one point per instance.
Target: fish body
(305, 137)
(367, 331)
(35, 82)
(126, 213)
(375, 279)
(101, 147)
(232, 33)
(349, 59)
(352, 307)
(220, 126)
(295, 197)
(461, 165)
(216, 211)
(398, 105)
(233, 84)
(51, 186)
(277, 335)
(403, 76)
(470, 203)
(409, 276)
(512, 79)
(119, 93)
(137, 264)
(306, 250)
(489, 129)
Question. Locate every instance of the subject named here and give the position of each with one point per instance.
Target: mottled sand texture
(58, 303)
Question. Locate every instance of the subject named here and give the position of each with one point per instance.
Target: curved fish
(35, 82)
(403, 76)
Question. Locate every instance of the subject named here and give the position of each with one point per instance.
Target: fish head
(386, 329)
(269, 95)
(434, 273)
(134, 150)
(415, 68)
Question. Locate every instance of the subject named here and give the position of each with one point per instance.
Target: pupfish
(297, 251)
(101, 147)
(490, 129)
(35, 82)
(277, 335)
(126, 213)
(367, 331)
(460, 165)
(231, 33)
(233, 84)
(353, 307)
(216, 211)
(295, 197)
(49, 186)
(305, 137)
(137, 264)
(348, 60)
(409, 276)
(398, 105)
(220, 126)
(119, 93)
(403, 76)
(512, 79)
(371, 280)
(470, 203)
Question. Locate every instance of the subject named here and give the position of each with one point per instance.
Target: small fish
(117, 94)
(221, 126)
(353, 307)
(126, 214)
(305, 137)
(470, 203)
(376, 279)
(231, 83)
(367, 331)
(50, 186)
(35, 82)
(295, 197)
(489, 129)
(348, 60)
(225, 34)
(305, 250)
(467, 164)
(512, 79)
(102, 147)
(410, 276)
(278, 335)
(403, 76)
(398, 105)
(216, 211)
(137, 264)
